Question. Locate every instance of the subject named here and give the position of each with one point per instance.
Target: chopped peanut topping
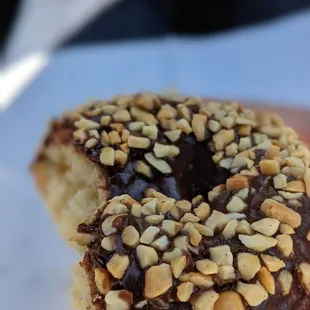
(147, 256)
(206, 300)
(217, 220)
(130, 236)
(185, 291)
(248, 265)
(297, 186)
(202, 211)
(223, 138)
(257, 242)
(304, 272)
(230, 229)
(178, 244)
(307, 181)
(158, 279)
(107, 156)
(269, 167)
(279, 211)
(102, 280)
(267, 280)
(138, 142)
(236, 204)
(178, 265)
(285, 244)
(266, 226)
(207, 266)
(221, 255)
(252, 293)
(229, 301)
(279, 181)
(285, 280)
(199, 126)
(117, 265)
(237, 182)
(272, 263)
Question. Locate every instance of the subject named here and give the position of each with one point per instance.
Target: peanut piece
(159, 164)
(230, 229)
(297, 186)
(150, 131)
(204, 230)
(171, 227)
(285, 244)
(223, 138)
(120, 300)
(285, 280)
(147, 256)
(161, 244)
(286, 229)
(266, 226)
(168, 257)
(107, 156)
(202, 211)
(198, 279)
(189, 217)
(244, 227)
(237, 182)
(138, 142)
(158, 279)
(229, 301)
(304, 272)
(221, 255)
(217, 220)
(269, 167)
(117, 265)
(267, 280)
(130, 236)
(307, 181)
(248, 265)
(272, 263)
(173, 135)
(281, 212)
(279, 181)
(236, 204)
(257, 242)
(194, 235)
(102, 280)
(149, 234)
(226, 273)
(206, 300)
(207, 266)
(178, 265)
(184, 291)
(252, 293)
(199, 126)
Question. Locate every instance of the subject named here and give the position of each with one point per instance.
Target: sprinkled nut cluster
(152, 124)
(171, 247)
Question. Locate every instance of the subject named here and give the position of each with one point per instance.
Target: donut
(179, 203)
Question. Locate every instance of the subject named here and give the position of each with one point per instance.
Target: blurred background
(55, 54)
(235, 48)
(29, 25)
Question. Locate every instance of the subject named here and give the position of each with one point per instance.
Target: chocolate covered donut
(180, 203)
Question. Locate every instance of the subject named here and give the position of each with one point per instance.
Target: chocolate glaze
(194, 173)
